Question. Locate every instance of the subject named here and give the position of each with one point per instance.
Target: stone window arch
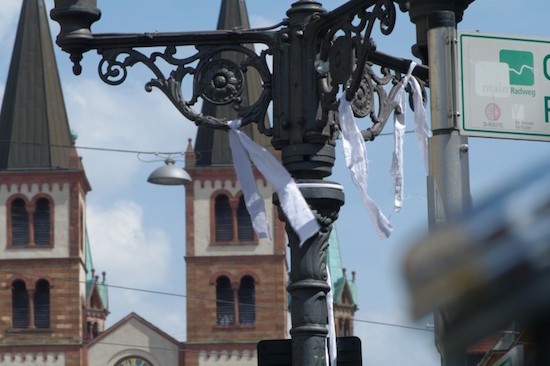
(223, 218)
(245, 231)
(133, 361)
(41, 302)
(225, 302)
(19, 222)
(42, 221)
(30, 306)
(30, 223)
(20, 309)
(247, 301)
(231, 223)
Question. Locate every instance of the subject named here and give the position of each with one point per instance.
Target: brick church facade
(50, 302)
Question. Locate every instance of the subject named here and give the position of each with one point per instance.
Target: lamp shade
(169, 175)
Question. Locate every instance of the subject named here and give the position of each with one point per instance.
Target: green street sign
(522, 68)
(504, 86)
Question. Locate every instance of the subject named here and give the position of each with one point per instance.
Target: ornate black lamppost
(316, 54)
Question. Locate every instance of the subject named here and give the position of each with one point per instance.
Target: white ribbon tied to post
(421, 129)
(293, 204)
(355, 154)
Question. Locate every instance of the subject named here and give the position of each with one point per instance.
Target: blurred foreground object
(489, 267)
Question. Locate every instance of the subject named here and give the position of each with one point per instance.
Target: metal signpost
(505, 86)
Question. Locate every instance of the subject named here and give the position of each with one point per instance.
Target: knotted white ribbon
(399, 132)
(421, 129)
(355, 153)
(293, 204)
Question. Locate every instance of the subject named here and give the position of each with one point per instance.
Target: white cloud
(122, 118)
(131, 253)
(125, 115)
(138, 259)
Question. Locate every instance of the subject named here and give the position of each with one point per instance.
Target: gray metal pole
(448, 180)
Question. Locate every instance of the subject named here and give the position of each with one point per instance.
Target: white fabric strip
(355, 154)
(254, 202)
(332, 349)
(422, 130)
(399, 132)
(293, 204)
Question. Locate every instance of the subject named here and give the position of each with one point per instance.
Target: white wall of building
(133, 338)
(32, 359)
(203, 192)
(60, 195)
(228, 358)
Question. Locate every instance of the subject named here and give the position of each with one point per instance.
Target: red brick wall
(65, 305)
(271, 298)
(269, 272)
(65, 300)
(65, 334)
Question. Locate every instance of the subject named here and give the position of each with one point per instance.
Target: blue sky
(137, 230)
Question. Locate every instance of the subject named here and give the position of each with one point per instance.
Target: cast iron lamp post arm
(216, 79)
(347, 58)
(121, 51)
(316, 54)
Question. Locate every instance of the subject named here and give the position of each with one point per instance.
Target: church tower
(236, 282)
(344, 291)
(47, 298)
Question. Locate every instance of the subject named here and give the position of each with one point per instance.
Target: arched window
(19, 223)
(247, 301)
(225, 305)
(224, 220)
(133, 361)
(347, 328)
(30, 225)
(41, 222)
(42, 305)
(19, 305)
(244, 223)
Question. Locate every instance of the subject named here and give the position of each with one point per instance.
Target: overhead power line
(172, 294)
(128, 151)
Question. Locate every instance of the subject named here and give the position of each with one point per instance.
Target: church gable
(134, 339)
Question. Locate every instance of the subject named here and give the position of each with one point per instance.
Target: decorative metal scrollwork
(344, 65)
(216, 79)
(220, 82)
(342, 41)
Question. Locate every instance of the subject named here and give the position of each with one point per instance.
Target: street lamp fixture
(317, 55)
(169, 175)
